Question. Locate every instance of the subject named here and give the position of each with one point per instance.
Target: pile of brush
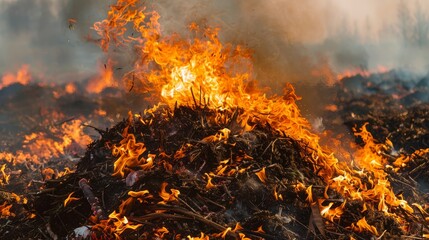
(189, 171)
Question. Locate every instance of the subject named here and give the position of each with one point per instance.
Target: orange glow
(364, 73)
(5, 210)
(261, 175)
(70, 199)
(23, 77)
(70, 88)
(103, 81)
(168, 197)
(48, 173)
(362, 225)
(44, 146)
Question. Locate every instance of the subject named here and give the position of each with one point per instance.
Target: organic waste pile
(190, 171)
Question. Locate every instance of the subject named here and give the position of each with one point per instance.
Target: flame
(45, 146)
(362, 225)
(402, 160)
(5, 176)
(5, 210)
(128, 152)
(260, 230)
(223, 233)
(117, 223)
(23, 77)
(261, 175)
(277, 196)
(70, 199)
(209, 182)
(309, 192)
(201, 237)
(140, 195)
(104, 80)
(168, 197)
(329, 213)
(160, 232)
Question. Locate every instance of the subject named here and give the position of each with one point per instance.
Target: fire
(359, 71)
(5, 176)
(201, 237)
(202, 72)
(128, 152)
(70, 199)
(209, 182)
(105, 80)
(168, 197)
(402, 160)
(261, 175)
(5, 210)
(45, 146)
(362, 225)
(23, 77)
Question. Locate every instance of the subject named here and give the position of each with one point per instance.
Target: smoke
(37, 33)
(295, 41)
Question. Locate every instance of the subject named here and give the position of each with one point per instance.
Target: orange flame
(362, 225)
(128, 152)
(105, 80)
(5, 210)
(70, 199)
(261, 175)
(23, 77)
(168, 197)
(209, 182)
(201, 237)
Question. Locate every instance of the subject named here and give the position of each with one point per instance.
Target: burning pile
(216, 158)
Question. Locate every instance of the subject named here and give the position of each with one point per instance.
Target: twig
(92, 199)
